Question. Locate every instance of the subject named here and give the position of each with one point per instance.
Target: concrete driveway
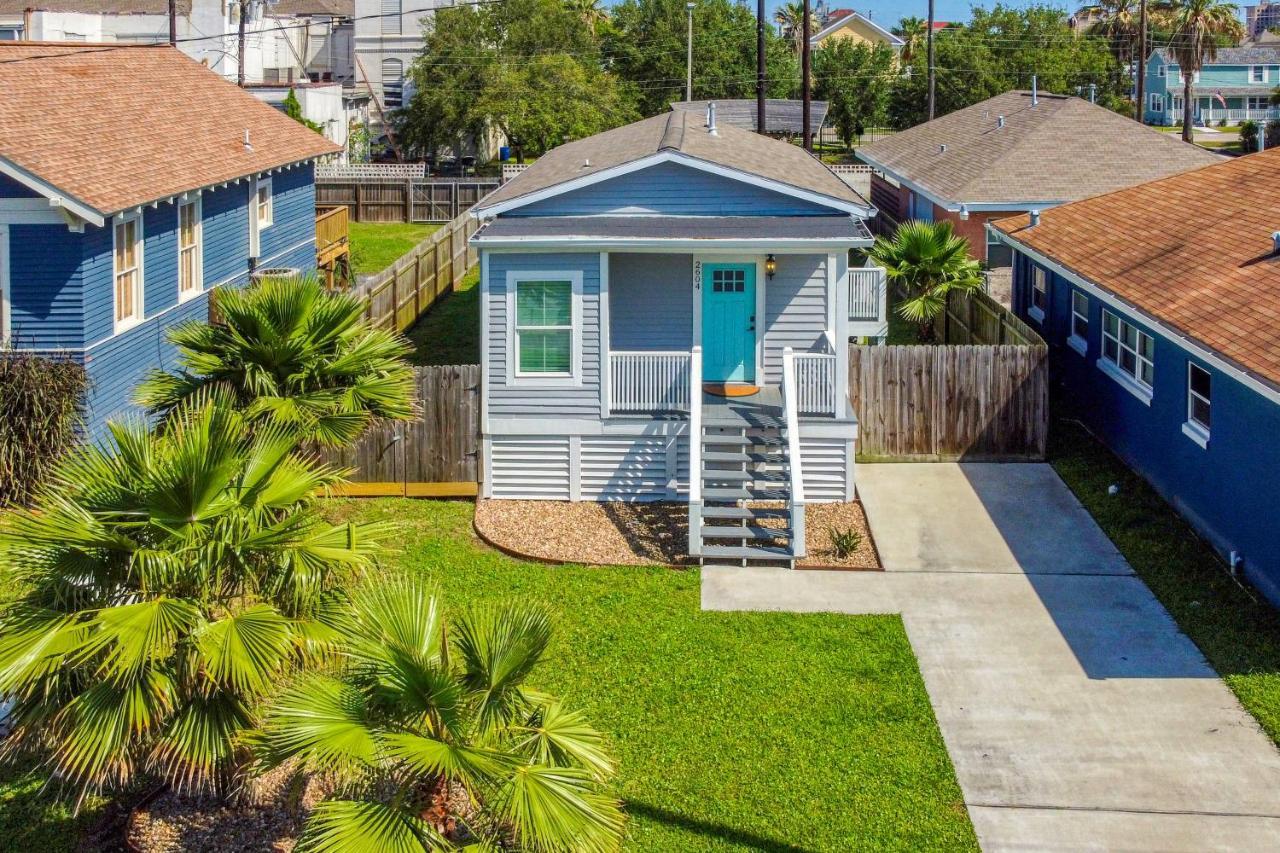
(1077, 715)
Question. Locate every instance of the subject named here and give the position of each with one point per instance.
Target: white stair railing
(867, 294)
(795, 466)
(649, 382)
(816, 384)
(695, 454)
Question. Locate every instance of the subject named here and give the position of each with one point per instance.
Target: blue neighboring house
(1161, 307)
(1235, 86)
(666, 315)
(133, 182)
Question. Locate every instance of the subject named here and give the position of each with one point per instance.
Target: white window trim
(1253, 77)
(1126, 380)
(265, 183)
(198, 271)
(1193, 429)
(1157, 102)
(1038, 275)
(140, 310)
(1075, 341)
(1160, 70)
(542, 380)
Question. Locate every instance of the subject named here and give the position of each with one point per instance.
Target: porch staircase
(742, 467)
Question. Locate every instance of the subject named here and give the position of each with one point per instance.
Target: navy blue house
(123, 204)
(1161, 307)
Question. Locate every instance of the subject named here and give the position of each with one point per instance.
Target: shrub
(845, 542)
(42, 401)
(1249, 136)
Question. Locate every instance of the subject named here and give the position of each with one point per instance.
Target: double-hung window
(1079, 340)
(190, 274)
(1157, 102)
(1199, 404)
(1039, 294)
(1257, 73)
(266, 207)
(545, 326)
(127, 270)
(1128, 354)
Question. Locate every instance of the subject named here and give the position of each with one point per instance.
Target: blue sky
(887, 13)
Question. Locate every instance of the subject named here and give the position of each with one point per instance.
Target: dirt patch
(642, 534)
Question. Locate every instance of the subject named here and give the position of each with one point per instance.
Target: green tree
(417, 709)
(853, 78)
(1199, 27)
(644, 45)
(913, 31)
(173, 578)
(592, 12)
(293, 109)
(926, 260)
(790, 20)
(289, 353)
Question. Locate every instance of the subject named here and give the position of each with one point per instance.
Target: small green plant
(845, 542)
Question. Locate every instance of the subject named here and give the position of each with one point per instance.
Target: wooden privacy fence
(933, 403)
(435, 455)
(410, 200)
(404, 291)
(979, 319)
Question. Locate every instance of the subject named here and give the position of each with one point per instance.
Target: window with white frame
(1199, 399)
(1257, 73)
(391, 17)
(11, 32)
(1175, 104)
(1157, 102)
(190, 272)
(1258, 102)
(545, 329)
(1160, 70)
(127, 269)
(1079, 321)
(1039, 293)
(1128, 348)
(392, 84)
(265, 202)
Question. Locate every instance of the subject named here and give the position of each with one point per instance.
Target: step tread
(747, 532)
(737, 456)
(757, 552)
(757, 440)
(717, 494)
(747, 512)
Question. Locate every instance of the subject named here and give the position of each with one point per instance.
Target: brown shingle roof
(1062, 149)
(1193, 251)
(116, 126)
(686, 133)
(108, 7)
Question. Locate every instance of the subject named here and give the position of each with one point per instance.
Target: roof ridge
(673, 134)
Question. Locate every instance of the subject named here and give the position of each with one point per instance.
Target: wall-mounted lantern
(770, 266)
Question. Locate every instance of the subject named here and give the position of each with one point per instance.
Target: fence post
(395, 299)
(453, 201)
(408, 200)
(359, 202)
(417, 284)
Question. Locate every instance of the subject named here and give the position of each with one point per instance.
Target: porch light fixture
(770, 266)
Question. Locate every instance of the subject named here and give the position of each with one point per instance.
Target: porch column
(603, 313)
(838, 287)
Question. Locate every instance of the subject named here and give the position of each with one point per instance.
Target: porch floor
(763, 409)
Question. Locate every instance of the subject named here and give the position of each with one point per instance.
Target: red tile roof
(1193, 251)
(114, 126)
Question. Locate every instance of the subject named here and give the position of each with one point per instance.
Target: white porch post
(603, 314)
(838, 287)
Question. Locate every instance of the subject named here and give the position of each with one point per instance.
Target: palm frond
(361, 826)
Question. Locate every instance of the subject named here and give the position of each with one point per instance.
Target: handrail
(795, 465)
(695, 451)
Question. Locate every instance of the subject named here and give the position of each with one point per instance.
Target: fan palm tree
(418, 717)
(1117, 22)
(592, 12)
(790, 18)
(912, 30)
(289, 353)
(927, 261)
(173, 577)
(1197, 27)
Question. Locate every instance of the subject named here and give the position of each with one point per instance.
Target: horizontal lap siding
(795, 309)
(672, 190)
(46, 285)
(226, 234)
(650, 302)
(530, 468)
(524, 401)
(9, 188)
(825, 465)
(626, 467)
(610, 468)
(294, 214)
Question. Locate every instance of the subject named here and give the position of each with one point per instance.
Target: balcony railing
(645, 382)
(867, 294)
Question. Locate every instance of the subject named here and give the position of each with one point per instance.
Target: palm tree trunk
(1187, 75)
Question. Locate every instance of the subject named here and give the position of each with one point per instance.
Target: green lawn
(734, 731)
(32, 820)
(376, 245)
(1238, 632)
(450, 332)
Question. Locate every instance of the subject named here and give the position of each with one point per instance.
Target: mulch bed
(644, 534)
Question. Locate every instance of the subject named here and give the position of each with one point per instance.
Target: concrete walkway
(1078, 717)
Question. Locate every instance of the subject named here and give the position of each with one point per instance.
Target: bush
(845, 542)
(43, 403)
(1222, 123)
(1249, 136)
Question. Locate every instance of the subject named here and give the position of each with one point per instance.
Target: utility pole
(1141, 61)
(173, 23)
(760, 118)
(806, 94)
(928, 37)
(244, 18)
(688, 66)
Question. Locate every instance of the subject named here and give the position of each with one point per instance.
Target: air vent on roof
(711, 119)
(1275, 242)
(942, 149)
(999, 121)
(1035, 218)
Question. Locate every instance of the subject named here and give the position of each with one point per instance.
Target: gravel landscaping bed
(642, 534)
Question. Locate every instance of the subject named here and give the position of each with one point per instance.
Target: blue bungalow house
(1161, 307)
(1235, 86)
(134, 181)
(666, 311)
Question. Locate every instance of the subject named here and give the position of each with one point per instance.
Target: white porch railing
(816, 384)
(867, 294)
(649, 381)
(1217, 114)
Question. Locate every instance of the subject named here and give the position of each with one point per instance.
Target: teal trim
(729, 322)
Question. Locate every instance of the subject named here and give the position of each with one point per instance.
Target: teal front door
(729, 322)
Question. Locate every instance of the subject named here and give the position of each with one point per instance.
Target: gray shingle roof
(109, 7)
(681, 132)
(1062, 149)
(1254, 55)
(679, 227)
(781, 115)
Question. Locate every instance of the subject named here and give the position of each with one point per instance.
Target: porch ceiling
(790, 228)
